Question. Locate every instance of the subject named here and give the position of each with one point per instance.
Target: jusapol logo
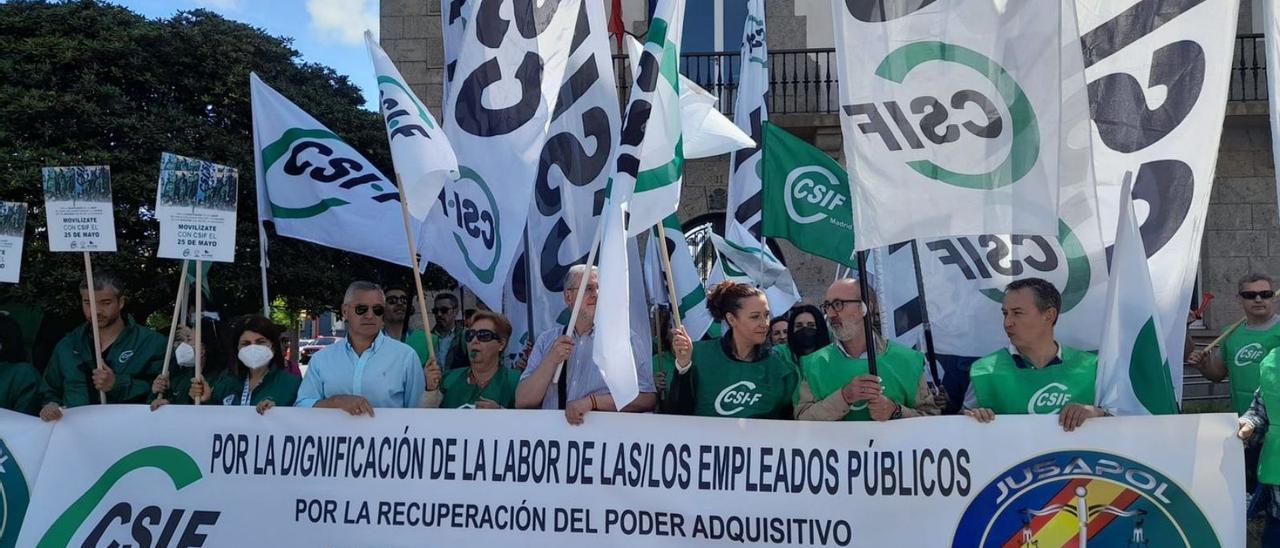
(1081, 499)
(1049, 399)
(1249, 354)
(469, 204)
(982, 118)
(337, 174)
(740, 395)
(125, 525)
(813, 193)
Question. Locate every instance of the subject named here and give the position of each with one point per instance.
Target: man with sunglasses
(581, 387)
(368, 370)
(395, 320)
(451, 350)
(836, 384)
(1242, 352)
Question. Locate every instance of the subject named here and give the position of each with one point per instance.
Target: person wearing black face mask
(806, 332)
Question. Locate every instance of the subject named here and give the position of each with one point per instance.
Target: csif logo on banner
(323, 158)
(469, 204)
(814, 194)
(130, 522)
(983, 122)
(996, 260)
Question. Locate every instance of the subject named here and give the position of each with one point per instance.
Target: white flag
(689, 289)
(743, 219)
(650, 162)
(1271, 33)
(510, 70)
(1134, 373)
(953, 116)
(419, 148)
(706, 131)
(612, 347)
(317, 188)
(756, 266)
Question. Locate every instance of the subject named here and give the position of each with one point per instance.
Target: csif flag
(315, 187)
(419, 149)
(1134, 374)
(806, 197)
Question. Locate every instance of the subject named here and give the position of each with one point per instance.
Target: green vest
(1269, 389)
(19, 388)
(277, 385)
(136, 357)
(899, 367)
(1007, 389)
(459, 393)
(1242, 352)
(728, 388)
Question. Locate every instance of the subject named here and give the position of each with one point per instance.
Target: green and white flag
(954, 116)
(423, 158)
(1134, 373)
(650, 163)
(317, 188)
(806, 197)
(689, 289)
(743, 220)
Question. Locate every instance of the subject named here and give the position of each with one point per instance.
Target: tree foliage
(89, 83)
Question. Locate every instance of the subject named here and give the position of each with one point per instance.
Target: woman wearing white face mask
(174, 388)
(256, 374)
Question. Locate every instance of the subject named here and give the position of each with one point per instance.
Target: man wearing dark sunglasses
(1242, 351)
(367, 370)
(395, 320)
(451, 351)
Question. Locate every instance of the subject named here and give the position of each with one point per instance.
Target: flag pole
(867, 331)
(528, 283)
(199, 323)
(262, 263)
(929, 352)
(417, 275)
(93, 320)
(173, 323)
(582, 289)
(666, 271)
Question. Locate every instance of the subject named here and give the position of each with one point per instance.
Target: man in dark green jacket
(132, 355)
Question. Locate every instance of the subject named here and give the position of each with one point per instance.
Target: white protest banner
(196, 206)
(315, 187)
(954, 117)
(570, 180)
(298, 477)
(510, 69)
(13, 228)
(78, 209)
(23, 440)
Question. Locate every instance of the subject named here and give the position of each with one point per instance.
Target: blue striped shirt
(584, 378)
(387, 374)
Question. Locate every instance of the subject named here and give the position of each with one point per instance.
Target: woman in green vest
(19, 381)
(736, 375)
(485, 384)
(257, 375)
(1254, 430)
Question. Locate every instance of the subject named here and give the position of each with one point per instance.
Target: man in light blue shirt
(581, 388)
(368, 369)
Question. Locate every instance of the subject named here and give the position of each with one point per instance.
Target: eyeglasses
(591, 289)
(398, 300)
(362, 309)
(442, 309)
(1251, 295)
(836, 305)
(482, 335)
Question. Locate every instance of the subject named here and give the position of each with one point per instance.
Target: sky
(329, 32)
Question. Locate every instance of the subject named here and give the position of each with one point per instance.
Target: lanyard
(244, 394)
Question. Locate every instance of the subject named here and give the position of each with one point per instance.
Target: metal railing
(805, 81)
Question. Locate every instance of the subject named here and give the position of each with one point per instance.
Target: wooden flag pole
(93, 320)
(173, 323)
(417, 275)
(199, 317)
(582, 290)
(666, 268)
(1226, 333)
